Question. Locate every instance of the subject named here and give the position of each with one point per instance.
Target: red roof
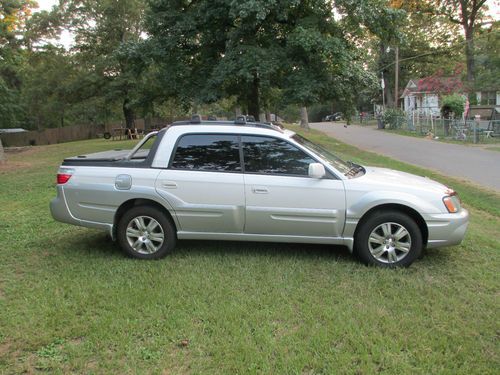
(441, 85)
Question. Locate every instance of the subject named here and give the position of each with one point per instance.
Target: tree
(468, 14)
(108, 37)
(487, 71)
(2, 153)
(13, 16)
(210, 50)
(48, 93)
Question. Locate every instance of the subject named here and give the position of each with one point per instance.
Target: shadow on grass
(273, 249)
(100, 245)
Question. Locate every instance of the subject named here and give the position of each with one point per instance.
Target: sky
(66, 39)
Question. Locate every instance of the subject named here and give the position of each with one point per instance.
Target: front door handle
(169, 184)
(260, 190)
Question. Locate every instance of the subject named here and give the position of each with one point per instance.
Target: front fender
(357, 206)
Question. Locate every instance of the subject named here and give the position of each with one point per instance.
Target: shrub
(453, 103)
(393, 118)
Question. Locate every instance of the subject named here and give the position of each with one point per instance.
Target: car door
(204, 184)
(281, 198)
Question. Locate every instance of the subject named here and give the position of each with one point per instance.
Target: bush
(453, 103)
(393, 118)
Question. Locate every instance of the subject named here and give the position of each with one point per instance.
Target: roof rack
(240, 120)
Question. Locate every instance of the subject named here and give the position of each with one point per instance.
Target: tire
(376, 242)
(145, 232)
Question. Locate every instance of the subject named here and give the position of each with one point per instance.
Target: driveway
(477, 165)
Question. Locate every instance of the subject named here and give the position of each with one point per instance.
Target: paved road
(474, 164)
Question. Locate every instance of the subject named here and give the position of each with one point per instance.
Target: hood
(397, 180)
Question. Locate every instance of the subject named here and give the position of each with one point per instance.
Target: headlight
(452, 201)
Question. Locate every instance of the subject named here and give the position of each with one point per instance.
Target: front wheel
(388, 239)
(145, 232)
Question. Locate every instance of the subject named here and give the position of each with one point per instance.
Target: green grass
(71, 303)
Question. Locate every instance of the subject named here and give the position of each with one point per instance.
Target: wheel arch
(136, 202)
(412, 213)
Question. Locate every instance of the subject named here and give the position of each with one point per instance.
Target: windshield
(334, 161)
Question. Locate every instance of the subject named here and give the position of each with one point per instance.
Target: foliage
(468, 14)
(211, 50)
(455, 103)
(166, 57)
(108, 39)
(488, 59)
(318, 111)
(9, 106)
(393, 118)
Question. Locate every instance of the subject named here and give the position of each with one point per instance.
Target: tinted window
(274, 156)
(208, 152)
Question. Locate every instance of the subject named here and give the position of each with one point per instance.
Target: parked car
(337, 116)
(253, 182)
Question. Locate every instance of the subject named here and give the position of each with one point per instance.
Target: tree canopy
(137, 58)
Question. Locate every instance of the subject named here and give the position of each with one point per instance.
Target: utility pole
(396, 88)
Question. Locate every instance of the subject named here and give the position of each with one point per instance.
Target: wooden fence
(69, 133)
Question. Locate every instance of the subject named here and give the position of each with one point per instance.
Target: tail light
(64, 174)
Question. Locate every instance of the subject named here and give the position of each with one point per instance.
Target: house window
(489, 98)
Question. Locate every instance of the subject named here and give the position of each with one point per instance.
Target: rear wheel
(145, 232)
(388, 239)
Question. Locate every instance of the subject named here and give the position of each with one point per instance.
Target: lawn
(70, 302)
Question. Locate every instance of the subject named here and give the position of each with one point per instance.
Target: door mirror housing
(317, 170)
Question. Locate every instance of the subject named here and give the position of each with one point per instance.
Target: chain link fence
(469, 131)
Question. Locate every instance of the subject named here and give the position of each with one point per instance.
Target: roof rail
(196, 119)
(240, 120)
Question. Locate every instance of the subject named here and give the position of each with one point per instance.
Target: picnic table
(125, 133)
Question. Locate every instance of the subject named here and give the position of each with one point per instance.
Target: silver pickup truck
(216, 180)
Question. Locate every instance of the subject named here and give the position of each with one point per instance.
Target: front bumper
(446, 229)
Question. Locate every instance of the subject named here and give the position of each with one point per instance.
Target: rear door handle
(260, 190)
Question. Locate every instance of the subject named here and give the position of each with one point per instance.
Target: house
(424, 95)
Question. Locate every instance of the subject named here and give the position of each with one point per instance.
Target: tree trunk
(389, 97)
(62, 119)
(304, 118)
(2, 153)
(237, 111)
(268, 116)
(469, 53)
(129, 114)
(253, 103)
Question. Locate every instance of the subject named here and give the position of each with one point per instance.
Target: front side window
(207, 152)
(268, 155)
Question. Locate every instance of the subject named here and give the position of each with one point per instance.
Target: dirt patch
(16, 150)
(25, 151)
(5, 348)
(9, 166)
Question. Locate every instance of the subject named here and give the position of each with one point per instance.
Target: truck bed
(106, 158)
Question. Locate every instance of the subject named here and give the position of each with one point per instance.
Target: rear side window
(268, 155)
(207, 152)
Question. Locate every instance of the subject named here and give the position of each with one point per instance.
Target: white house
(424, 95)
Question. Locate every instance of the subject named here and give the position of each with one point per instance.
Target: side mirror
(317, 170)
